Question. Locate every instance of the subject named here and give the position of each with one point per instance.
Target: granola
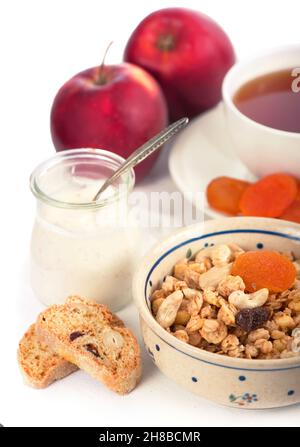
(204, 304)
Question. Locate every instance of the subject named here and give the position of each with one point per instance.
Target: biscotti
(111, 318)
(89, 335)
(39, 365)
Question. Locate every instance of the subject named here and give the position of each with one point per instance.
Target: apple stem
(166, 42)
(102, 77)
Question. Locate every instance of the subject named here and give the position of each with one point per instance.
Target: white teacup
(262, 149)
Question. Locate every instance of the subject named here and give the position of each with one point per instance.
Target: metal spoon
(144, 151)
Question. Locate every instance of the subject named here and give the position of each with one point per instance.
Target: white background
(43, 43)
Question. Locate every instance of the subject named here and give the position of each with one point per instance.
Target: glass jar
(79, 246)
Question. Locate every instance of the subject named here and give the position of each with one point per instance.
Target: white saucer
(202, 152)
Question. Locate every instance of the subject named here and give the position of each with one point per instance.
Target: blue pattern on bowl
(248, 389)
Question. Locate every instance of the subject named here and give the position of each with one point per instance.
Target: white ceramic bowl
(262, 149)
(230, 381)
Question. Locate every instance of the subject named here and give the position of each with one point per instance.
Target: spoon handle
(144, 151)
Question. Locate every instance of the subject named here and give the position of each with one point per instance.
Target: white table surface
(47, 42)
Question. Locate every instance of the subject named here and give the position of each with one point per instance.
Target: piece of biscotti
(113, 318)
(89, 335)
(39, 365)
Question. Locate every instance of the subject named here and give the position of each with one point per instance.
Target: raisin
(251, 319)
(92, 349)
(75, 335)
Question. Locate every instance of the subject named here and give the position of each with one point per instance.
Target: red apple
(188, 53)
(116, 107)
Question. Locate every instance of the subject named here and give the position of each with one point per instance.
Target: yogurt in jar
(79, 247)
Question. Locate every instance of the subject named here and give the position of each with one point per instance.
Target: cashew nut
(236, 250)
(190, 293)
(219, 254)
(167, 311)
(296, 340)
(243, 300)
(203, 254)
(212, 277)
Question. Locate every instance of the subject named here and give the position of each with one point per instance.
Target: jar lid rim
(101, 154)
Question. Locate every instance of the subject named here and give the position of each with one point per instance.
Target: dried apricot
(224, 194)
(270, 196)
(264, 269)
(292, 212)
(298, 185)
